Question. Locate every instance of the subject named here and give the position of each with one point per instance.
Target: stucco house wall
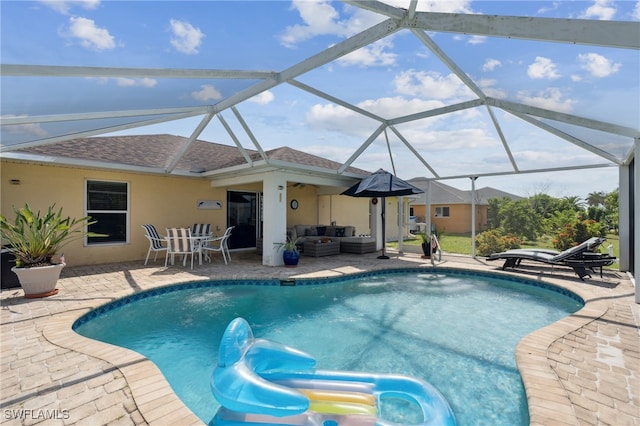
(314, 208)
(161, 200)
(164, 201)
(459, 220)
(345, 210)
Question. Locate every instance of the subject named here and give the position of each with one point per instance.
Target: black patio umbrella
(382, 184)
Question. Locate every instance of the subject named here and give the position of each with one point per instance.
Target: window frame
(441, 208)
(127, 213)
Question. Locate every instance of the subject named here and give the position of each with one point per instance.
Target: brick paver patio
(583, 370)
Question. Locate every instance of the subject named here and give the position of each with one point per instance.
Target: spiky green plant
(290, 245)
(34, 238)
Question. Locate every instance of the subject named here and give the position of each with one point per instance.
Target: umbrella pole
(384, 238)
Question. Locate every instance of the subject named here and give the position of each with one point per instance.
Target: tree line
(568, 220)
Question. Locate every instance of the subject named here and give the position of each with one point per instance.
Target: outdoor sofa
(345, 235)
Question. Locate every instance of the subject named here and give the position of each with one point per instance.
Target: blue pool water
(456, 330)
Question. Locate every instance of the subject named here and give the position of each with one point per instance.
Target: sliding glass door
(243, 213)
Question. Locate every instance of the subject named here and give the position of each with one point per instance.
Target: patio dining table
(201, 240)
(198, 241)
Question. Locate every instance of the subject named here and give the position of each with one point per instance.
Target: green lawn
(461, 243)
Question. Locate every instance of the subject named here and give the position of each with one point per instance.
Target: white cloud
(486, 84)
(397, 106)
(598, 65)
(491, 64)
(636, 11)
(450, 140)
(552, 7)
(263, 98)
(186, 38)
(477, 39)
(206, 93)
(431, 85)
(543, 68)
(550, 98)
(133, 82)
(331, 152)
(371, 55)
(335, 118)
(33, 129)
(339, 119)
(449, 6)
(125, 82)
(90, 35)
(319, 18)
(64, 7)
(601, 9)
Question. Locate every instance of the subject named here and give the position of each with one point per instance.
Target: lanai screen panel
(365, 83)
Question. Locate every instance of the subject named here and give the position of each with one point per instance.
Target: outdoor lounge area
(581, 370)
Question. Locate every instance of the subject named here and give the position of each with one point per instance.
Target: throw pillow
(339, 232)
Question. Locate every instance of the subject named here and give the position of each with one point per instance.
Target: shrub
(576, 232)
(494, 241)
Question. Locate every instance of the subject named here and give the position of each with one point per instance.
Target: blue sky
(393, 77)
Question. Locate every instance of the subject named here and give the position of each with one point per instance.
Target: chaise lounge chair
(580, 258)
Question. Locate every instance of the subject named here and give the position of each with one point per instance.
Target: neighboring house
(451, 207)
(127, 181)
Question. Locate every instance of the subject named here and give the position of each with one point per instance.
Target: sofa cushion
(306, 231)
(301, 230)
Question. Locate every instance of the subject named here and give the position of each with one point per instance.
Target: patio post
(274, 188)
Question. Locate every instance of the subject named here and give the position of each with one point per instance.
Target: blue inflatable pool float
(259, 382)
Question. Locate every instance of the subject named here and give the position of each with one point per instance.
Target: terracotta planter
(39, 281)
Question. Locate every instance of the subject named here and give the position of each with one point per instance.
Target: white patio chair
(180, 241)
(201, 229)
(156, 241)
(219, 244)
(227, 233)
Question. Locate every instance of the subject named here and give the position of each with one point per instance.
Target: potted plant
(34, 239)
(290, 252)
(426, 244)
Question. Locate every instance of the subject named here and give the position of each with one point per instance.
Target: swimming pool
(454, 329)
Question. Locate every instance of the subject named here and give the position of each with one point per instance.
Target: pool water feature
(455, 330)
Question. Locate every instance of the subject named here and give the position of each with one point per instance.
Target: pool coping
(546, 397)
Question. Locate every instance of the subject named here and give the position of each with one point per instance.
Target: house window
(108, 204)
(442, 212)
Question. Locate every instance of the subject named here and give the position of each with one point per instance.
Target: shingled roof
(445, 194)
(157, 151)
